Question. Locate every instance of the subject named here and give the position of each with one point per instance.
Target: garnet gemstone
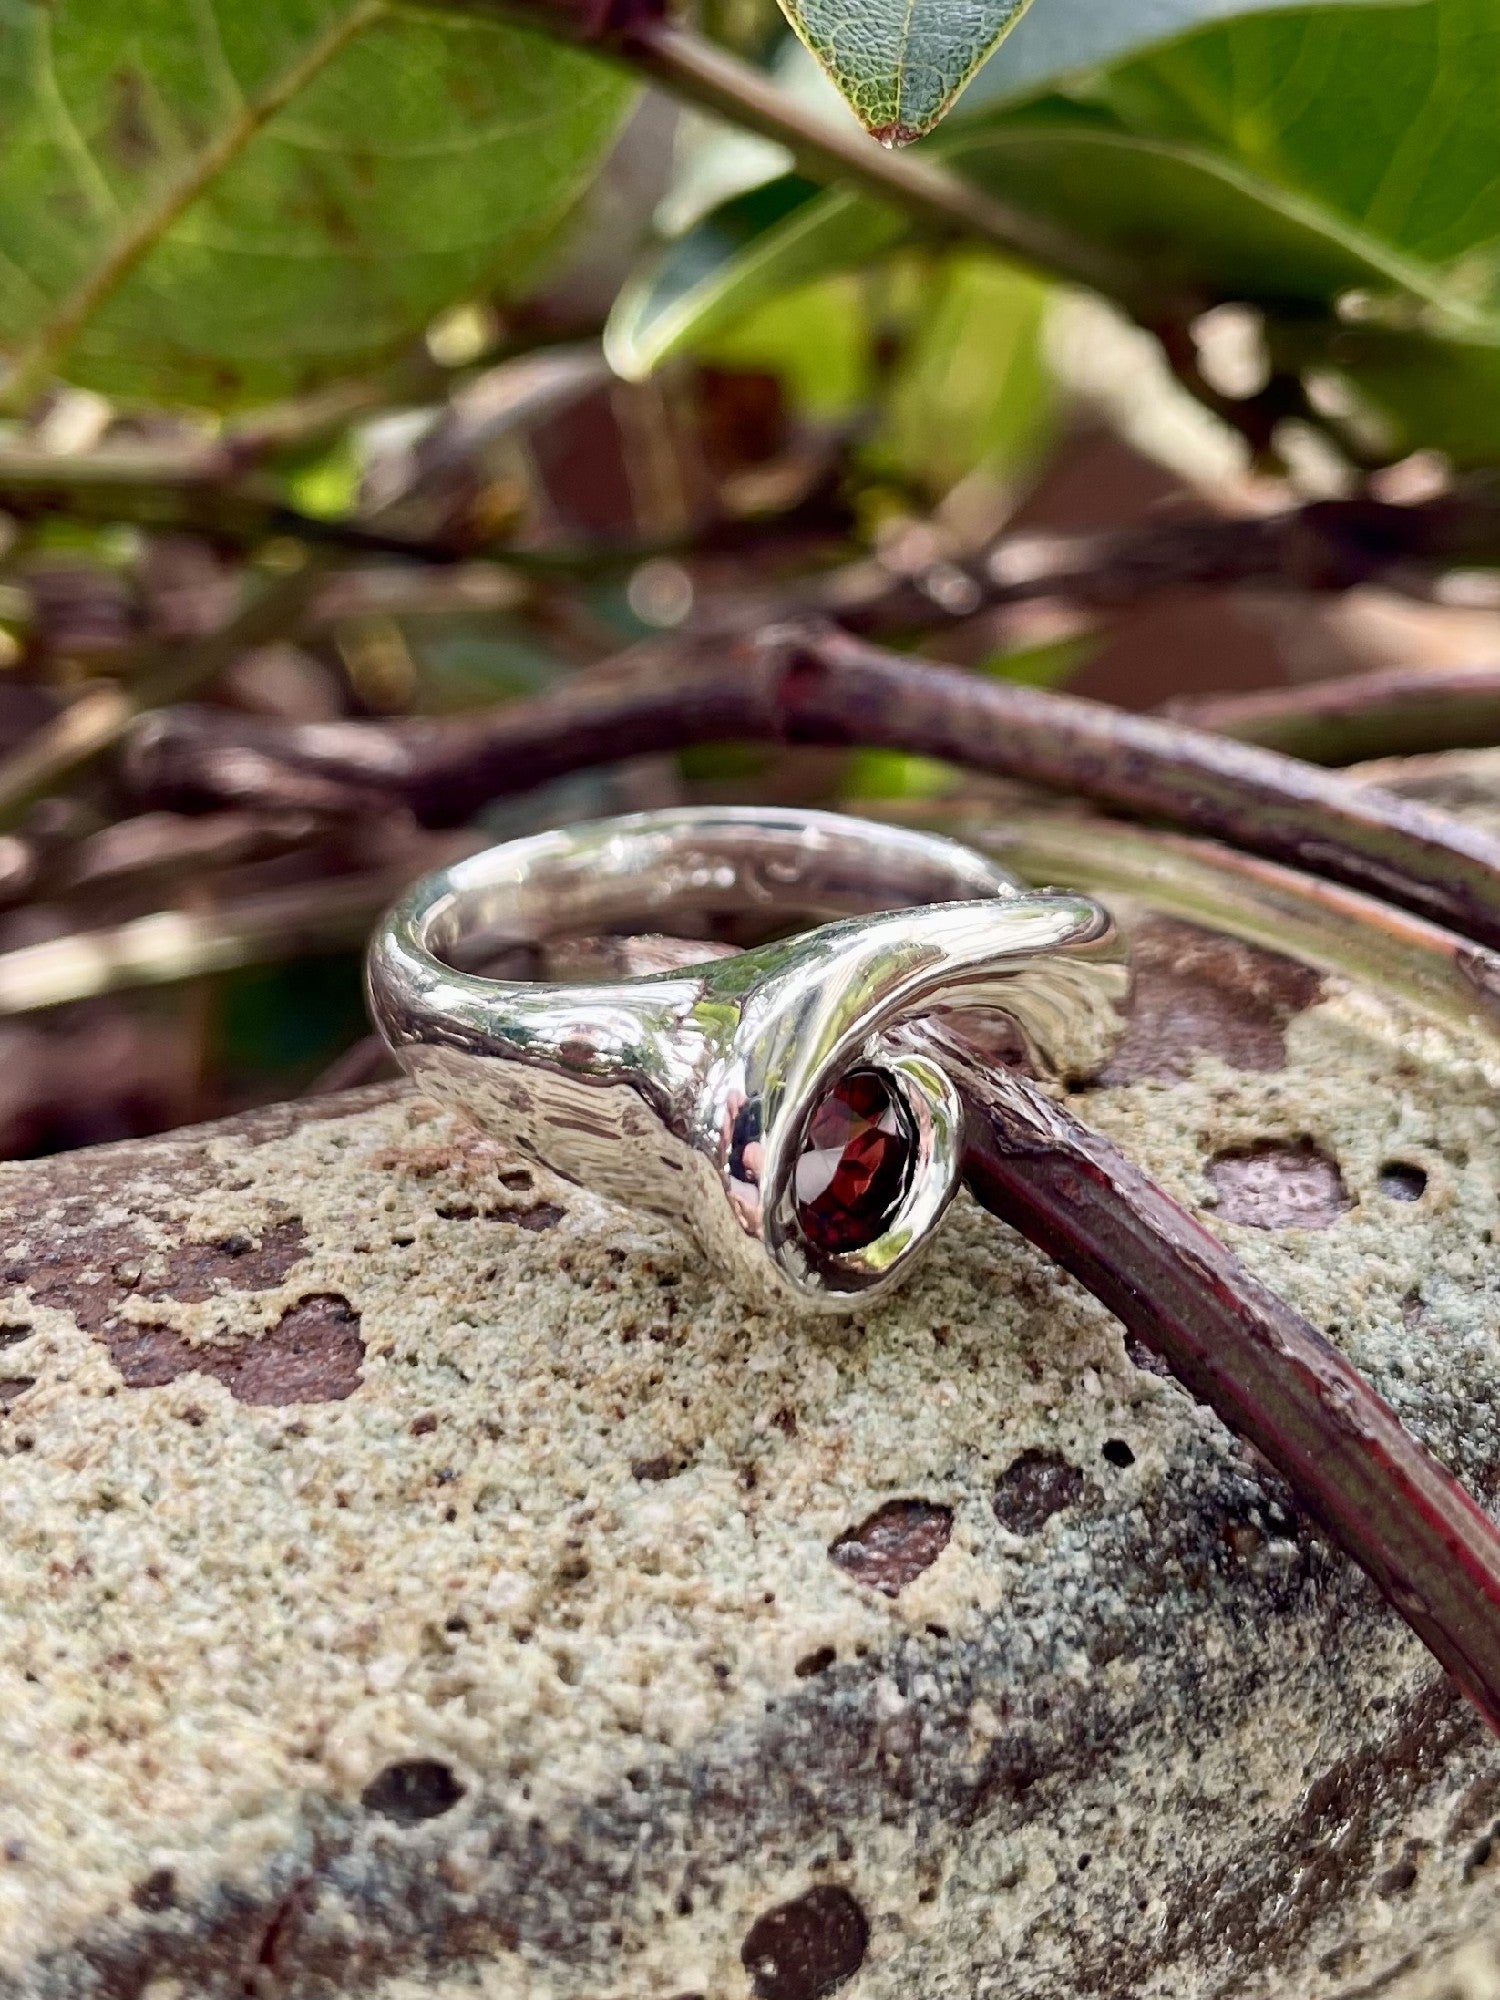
(855, 1164)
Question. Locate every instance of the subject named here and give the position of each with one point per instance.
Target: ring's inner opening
(729, 881)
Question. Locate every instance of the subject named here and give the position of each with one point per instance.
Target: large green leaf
(1063, 37)
(782, 230)
(216, 200)
(1338, 167)
(901, 63)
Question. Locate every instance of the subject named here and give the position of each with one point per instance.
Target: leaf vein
(47, 351)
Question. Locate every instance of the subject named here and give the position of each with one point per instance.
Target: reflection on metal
(687, 1093)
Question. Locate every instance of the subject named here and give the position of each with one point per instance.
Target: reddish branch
(1327, 546)
(810, 684)
(1268, 1374)
(1393, 713)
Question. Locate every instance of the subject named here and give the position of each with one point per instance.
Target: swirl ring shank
(688, 1094)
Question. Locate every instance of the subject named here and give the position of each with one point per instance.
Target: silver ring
(770, 1103)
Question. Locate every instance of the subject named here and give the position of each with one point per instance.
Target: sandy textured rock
(419, 1579)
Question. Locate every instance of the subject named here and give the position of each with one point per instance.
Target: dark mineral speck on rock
(1033, 1488)
(806, 1948)
(895, 1544)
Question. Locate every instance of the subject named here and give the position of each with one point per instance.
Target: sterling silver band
(691, 1094)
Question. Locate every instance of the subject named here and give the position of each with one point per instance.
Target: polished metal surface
(688, 1093)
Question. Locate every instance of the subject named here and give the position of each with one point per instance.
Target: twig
(210, 487)
(1396, 712)
(130, 852)
(97, 719)
(1268, 1374)
(1326, 546)
(174, 945)
(1265, 903)
(203, 492)
(811, 684)
(1259, 416)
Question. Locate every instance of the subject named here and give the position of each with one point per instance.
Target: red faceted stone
(855, 1164)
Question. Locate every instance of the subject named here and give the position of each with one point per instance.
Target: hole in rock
(815, 1663)
(1401, 1181)
(411, 1792)
(808, 1947)
(156, 1891)
(1033, 1488)
(665, 1466)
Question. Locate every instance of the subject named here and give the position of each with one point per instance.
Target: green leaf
(222, 200)
(901, 63)
(1336, 167)
(972, 391)
(1050, 663)
(742, 257)
(816, 339)
(897, 774)
(1066, 36)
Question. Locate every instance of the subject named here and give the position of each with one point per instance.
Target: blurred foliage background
(366, 361)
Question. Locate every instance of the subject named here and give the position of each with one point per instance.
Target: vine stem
(1391, 712)
(811, 683)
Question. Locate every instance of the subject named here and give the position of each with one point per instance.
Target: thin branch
(1259, 416)
(1326, 546)
(99, 718)
(1397, 712)
(202, 491)
(1270, 1375)
(170, 946)
(129, 853)
(1264, 903)
(826, 149)
(812, 684)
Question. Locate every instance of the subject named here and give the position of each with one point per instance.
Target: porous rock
(420, 1579)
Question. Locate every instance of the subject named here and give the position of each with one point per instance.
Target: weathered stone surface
(482, 1634)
